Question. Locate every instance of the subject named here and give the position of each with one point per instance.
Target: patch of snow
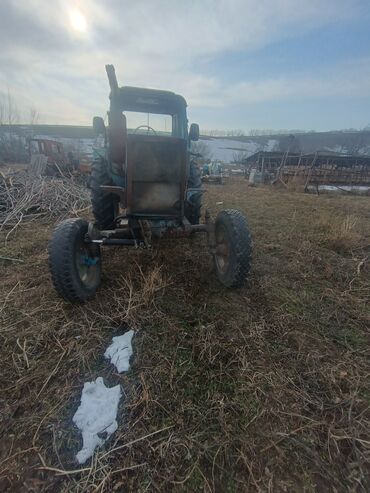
(225, 149)
(96, 414)
(338, 149)
(120, 351)
(347, 188)
(340, 188)
(272, 144)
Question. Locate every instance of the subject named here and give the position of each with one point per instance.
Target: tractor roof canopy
(129, 98)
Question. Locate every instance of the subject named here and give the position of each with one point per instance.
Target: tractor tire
(104, 204)
(194, 204)
(75, 265)
(232, 258)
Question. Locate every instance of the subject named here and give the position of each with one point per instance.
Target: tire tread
(103, 203)
(61, 251)
(242, 247)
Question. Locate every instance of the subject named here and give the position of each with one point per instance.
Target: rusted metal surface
(117, 135)
(120, 191)
(156, 175)
(113, 84)
(48, 157)
(148, 172)
(38, 164)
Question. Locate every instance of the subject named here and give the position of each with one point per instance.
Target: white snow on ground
(340, 188)
(337, 149)
(225, 149)
(96, 414)
(120, 351)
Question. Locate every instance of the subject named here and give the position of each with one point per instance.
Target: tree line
(265, 132)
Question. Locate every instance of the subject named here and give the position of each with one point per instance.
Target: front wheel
(74, 264)
(233, 252)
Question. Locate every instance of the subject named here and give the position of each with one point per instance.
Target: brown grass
(260, 389)
(342, 234)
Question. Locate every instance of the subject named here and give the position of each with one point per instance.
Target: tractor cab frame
(151, 178)
(149, 170)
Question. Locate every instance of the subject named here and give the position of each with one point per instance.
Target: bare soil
(265, 388)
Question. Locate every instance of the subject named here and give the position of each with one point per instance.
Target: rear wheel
(232, 258)
(194, 201)
(104, 204)
(75, 265)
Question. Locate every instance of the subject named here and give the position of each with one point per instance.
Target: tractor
(48, 158)
(145, 186)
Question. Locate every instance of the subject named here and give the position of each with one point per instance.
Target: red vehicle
(48, 158)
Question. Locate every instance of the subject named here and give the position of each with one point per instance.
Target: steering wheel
(145, 126)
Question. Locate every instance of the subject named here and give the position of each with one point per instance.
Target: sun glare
(78, 21)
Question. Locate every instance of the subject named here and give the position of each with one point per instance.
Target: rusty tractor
(145, 186)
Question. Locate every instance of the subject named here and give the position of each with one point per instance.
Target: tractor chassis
(124, 235)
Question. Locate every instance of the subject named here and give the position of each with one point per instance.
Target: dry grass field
(266, 388)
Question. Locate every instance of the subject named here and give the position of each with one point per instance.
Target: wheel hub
(86, 265)
(222, 253)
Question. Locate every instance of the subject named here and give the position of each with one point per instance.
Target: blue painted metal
(86, 260)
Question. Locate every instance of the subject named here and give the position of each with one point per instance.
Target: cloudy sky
(276, 64)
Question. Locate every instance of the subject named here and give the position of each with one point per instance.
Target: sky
(240, 64)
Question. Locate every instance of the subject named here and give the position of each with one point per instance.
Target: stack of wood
(26, 197)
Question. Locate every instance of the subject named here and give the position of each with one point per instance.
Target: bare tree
(202, 148)
(235, 133)
(289, 143)
(239, 156)
(34, 116)
(9, 114)
(355, 143)
(12, 112)
(12, 142)
(224, 133)
(2, 111)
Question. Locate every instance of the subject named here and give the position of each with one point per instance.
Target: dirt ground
(266, 388)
